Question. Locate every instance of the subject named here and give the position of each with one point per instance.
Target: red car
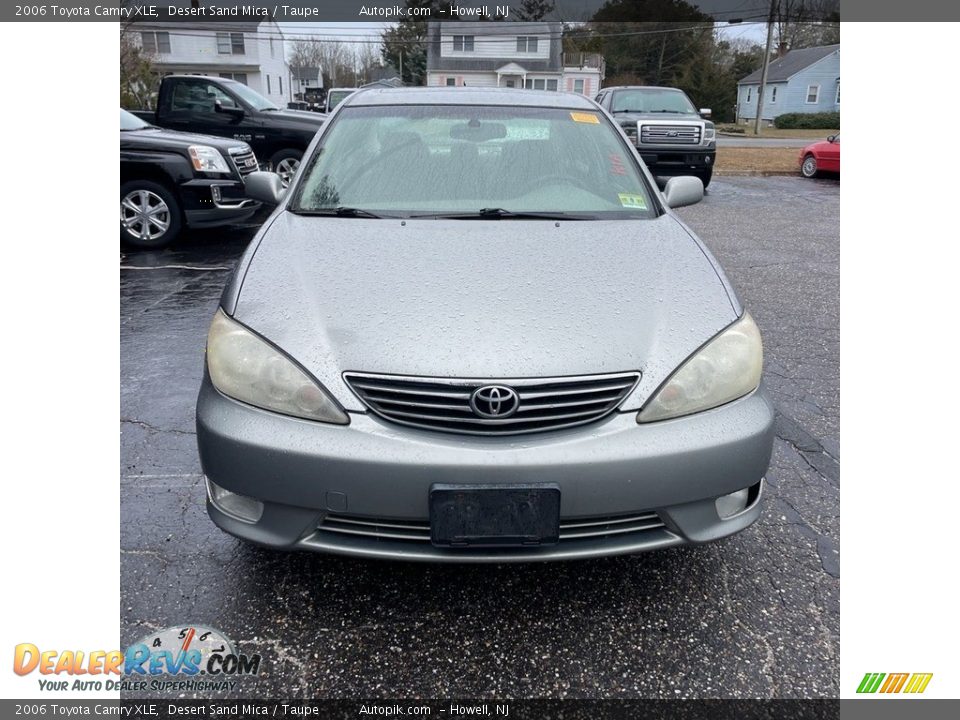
(823, 156)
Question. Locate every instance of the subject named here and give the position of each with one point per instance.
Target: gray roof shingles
(790, 64)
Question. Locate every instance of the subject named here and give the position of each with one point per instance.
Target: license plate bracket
(464, 516)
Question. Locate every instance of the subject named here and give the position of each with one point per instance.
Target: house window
(773, 95)
(838, 93)
(239, 77)
(526, 44)
(230, 43)
(509, 83)
(551, 84)
(155, 42)
(749, 94)
(268, 85)
(578, 86)
(272, 51)
(463, 43)
(280, 82)
(451, 82)
(813, 94)
(539, 84)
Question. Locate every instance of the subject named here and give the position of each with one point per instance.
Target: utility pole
(766, 67)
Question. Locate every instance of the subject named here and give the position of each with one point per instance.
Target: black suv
(671, 135)
(169, 180)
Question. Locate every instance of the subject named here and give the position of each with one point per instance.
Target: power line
(366, 39)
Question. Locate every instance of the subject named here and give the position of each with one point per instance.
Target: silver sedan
(474, 330)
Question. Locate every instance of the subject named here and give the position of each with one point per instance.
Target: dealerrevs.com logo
(909, 683)
(190, 658)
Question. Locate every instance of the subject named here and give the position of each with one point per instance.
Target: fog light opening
(239, 507)
(735, 502)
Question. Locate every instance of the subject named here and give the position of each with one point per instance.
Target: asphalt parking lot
(755, 615)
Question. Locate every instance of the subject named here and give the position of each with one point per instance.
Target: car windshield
(252, 97)
(335, 97)
(419, 160)
(652, 100)
(129, 121)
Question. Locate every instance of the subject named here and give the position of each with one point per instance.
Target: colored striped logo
(894, 682)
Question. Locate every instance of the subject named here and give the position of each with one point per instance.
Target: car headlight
(247, 368)
(207, 159)
(726, 368)
(710, 133)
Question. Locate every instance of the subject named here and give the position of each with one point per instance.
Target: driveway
(756, 615)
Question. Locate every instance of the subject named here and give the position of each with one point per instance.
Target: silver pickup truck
(671, 135)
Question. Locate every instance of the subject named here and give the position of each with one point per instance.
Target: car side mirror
(679, 191)
(266, 187)
(705, 112)
(219, 107)
(832, 138)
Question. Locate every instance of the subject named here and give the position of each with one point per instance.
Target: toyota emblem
(494, 401)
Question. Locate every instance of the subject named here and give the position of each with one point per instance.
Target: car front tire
(705, 177)
(150, 215)
(808, 168)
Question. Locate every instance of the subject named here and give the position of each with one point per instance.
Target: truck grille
(244, 160)
(523, 405)
(418, 531)
(669, 135)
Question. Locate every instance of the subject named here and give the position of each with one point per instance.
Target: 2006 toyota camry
(474, 330)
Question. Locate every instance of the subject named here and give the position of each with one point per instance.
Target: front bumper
(213, 202)
(677, 160)
(370, 471)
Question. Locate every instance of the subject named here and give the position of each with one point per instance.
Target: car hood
(666, 117)
(483, 299)
(301, 119)
(162, 138)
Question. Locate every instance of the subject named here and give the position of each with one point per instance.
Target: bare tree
(805, 23)
(138, 79)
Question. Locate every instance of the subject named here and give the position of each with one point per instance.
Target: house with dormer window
(515, 55)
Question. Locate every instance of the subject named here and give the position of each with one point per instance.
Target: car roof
(470, 96)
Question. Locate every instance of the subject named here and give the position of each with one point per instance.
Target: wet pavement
(755, 615)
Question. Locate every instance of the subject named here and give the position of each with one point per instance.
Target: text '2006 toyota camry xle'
(474, 330)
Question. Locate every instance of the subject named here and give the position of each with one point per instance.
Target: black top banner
(573, 11)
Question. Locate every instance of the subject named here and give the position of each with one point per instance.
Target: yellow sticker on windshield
(638, 202)
(585, 118)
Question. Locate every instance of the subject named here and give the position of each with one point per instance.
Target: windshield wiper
(626, 111)
(340, 211)
(675, 112)
(502, 214)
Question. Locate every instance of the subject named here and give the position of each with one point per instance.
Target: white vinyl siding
(495, 46)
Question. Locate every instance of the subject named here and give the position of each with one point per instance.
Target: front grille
(244, 160)
(418, 531)
(669, 134)
(445, 404)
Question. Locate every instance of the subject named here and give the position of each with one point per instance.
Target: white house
(249, 52)
(518, 55)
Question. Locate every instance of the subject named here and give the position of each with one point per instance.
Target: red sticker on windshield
(616, 164)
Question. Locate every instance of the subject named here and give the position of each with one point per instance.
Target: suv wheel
(149, 214)
(705, 176)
